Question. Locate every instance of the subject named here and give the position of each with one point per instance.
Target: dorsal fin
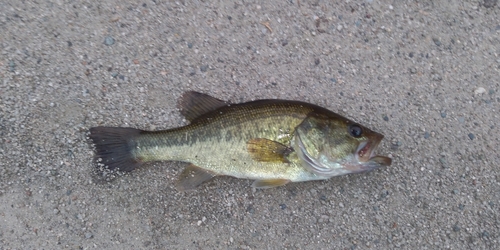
(193, 104)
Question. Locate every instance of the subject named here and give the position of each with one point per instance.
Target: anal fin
(269, 183)
(192, 176)
(265, 150)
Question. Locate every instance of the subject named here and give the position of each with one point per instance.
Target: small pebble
(384, 194)
(12, 66)
(471, 136)
(437, 77)
(427, 135)
(283, 206)
(395, 144)
(436, 41)
(443, 114)
(456, 228)
(442, 160)
(386, 118)
(204, 68)
(88, 235)
(480, 91)
(250, 209)
(109, 40)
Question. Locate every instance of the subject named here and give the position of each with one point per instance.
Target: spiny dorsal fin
(193, 104)
(192, 177)
(269, 183)
(265, 150)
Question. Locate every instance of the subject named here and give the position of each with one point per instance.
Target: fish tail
(114, 147)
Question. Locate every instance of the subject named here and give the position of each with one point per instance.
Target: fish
(273, 142)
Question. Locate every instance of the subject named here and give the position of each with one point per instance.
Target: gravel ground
(423, 73)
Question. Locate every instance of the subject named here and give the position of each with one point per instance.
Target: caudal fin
(113, 147)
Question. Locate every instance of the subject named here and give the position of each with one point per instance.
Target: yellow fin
(194, 104)
(269, 183)
(192, 177)
(266, 150)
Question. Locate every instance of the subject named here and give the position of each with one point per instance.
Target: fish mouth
(366, 153)
(366, 150)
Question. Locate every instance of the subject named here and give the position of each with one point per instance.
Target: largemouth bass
(273, 142)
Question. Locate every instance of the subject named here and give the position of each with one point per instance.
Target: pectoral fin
(192, 177)
(269, 183)
(266, 150)
(193, 104)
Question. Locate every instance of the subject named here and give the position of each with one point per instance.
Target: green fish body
(271, 141)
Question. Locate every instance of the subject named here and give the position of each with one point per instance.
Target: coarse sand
(426, 74)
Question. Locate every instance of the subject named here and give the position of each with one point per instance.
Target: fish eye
(355, 130)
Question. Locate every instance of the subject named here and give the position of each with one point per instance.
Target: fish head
(330, 145)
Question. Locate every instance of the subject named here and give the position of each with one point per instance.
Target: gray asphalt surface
(423, 73)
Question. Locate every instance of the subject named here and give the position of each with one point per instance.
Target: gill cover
(331, 146)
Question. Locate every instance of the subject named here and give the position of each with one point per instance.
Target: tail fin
(113, 147)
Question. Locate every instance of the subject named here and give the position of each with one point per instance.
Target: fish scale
(204, 143)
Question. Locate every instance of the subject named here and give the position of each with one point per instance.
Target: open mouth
(366, 150)
(366, 153)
